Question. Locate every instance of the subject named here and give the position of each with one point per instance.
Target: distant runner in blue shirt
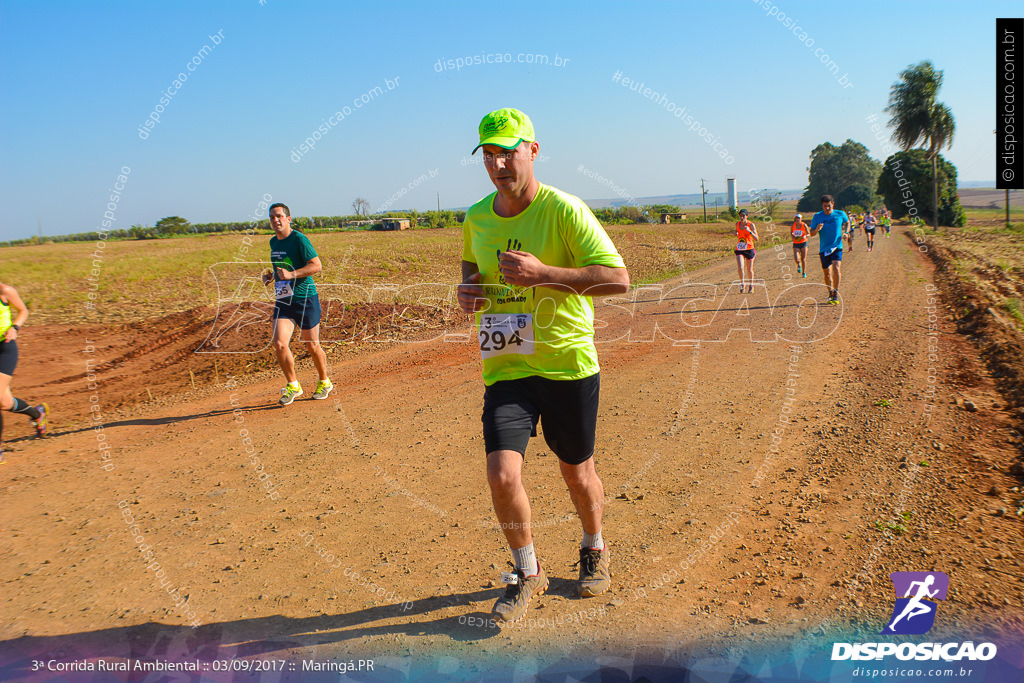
(830, 224)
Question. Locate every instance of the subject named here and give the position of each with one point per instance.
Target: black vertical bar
(1009, 104)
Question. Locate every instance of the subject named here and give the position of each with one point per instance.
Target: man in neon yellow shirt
(532, 258)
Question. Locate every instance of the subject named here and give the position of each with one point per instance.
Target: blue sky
(77, 81)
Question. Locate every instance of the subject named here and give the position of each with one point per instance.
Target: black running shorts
(8, 357)
(567, 410)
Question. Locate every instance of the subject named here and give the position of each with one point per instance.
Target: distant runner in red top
(799, 232)
(746, 236)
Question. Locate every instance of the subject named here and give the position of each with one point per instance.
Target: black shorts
(303, 312)
(799, 245)
(8, 357)
(567, 410)
(870, 231)
(748, 254)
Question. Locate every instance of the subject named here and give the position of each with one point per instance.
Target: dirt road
(767, 461)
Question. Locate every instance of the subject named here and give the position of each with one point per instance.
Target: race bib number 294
(505, 333)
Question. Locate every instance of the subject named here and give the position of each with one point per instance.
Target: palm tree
(917, 118)
(940, 134)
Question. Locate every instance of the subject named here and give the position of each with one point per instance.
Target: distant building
(394, 223)
(730, 185)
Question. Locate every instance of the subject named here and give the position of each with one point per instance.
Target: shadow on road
(263, 636)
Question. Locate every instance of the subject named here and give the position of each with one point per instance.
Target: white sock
(526, 560)
(293, 385)
(592, 541)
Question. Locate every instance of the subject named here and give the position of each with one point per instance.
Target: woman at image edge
(9, 328)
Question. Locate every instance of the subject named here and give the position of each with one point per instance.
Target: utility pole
(703, 199)
(439, 202)
(716, 208)
(1007, 209)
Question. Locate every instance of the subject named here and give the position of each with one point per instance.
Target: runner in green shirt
(532, 258)
(294, 263)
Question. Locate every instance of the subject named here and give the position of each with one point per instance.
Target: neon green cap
(505, 128)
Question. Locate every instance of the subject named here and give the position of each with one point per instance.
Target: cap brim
(507, 143)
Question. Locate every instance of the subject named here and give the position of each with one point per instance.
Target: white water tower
(730, 185)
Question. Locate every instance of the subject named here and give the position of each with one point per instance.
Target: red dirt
(880, 469)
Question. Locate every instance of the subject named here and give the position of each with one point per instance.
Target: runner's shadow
(273, 635)
(158, 421)
(565, 588)
(725, 310)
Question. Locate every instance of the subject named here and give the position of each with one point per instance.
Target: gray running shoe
(595, 572)
(323, 388)
(518, 593)
(289, 394)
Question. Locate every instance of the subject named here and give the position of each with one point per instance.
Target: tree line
(916, 182)
(176, 226)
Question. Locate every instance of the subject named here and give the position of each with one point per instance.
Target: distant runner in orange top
(799, 233)
(746, 236)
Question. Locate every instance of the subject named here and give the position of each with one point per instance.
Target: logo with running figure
(916, 593)
(496, 125)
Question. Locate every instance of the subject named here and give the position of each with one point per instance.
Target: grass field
(134, 280)
(990, 261)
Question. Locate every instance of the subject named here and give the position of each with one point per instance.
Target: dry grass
(990, 260)
(135, 280)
